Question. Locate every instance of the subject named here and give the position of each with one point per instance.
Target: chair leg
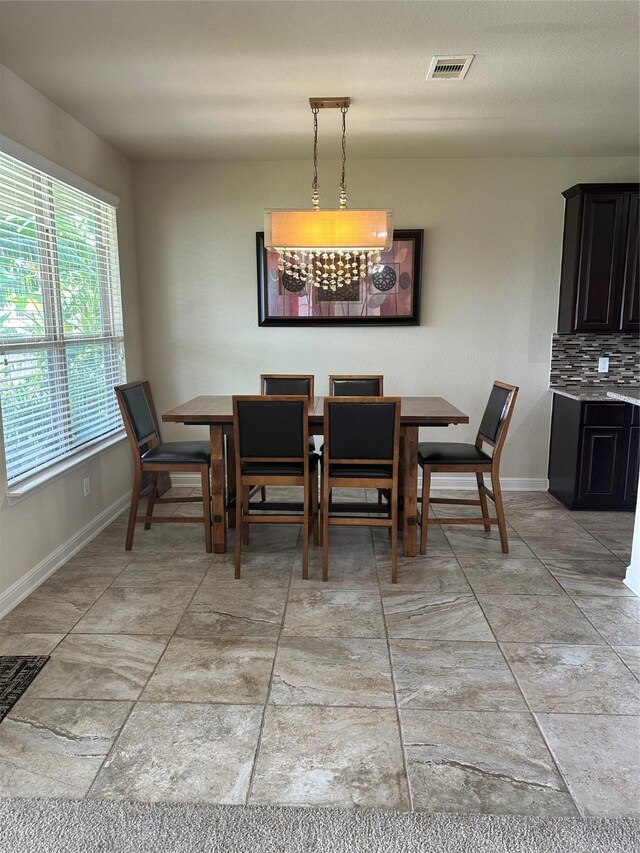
(206, 506)
(133, 510)
(426, 492)
(152, 499)
(483, 501)
(263, 493)
(305, 532)
(394, 539)
(239, 509)
(320, 510)
(497, 499)
(315, 508)
(245, 527)
(326, 497)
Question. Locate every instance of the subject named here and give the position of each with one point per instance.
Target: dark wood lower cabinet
(593, 455)
(633, 465)
(600, 465)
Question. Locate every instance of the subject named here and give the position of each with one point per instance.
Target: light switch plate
(603, 364)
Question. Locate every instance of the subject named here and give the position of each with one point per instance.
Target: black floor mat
(16, 674)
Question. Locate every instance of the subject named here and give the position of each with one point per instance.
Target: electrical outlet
(603, 364)
(87, 486)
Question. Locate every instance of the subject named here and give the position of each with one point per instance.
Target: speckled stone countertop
(594, 392)
(629, 395)
(582, 392)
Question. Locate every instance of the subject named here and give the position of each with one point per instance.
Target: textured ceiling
(229, 80)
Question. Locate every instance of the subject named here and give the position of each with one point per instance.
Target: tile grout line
(526, 702)
(522, 711)
(84, 613)
(617, 653)
(256, 755)
(68, 633)
(135, 702)
(597, 630)
(403, 751)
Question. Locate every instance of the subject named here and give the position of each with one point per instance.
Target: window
(61, 333)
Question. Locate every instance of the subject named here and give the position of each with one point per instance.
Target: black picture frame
(416, 236)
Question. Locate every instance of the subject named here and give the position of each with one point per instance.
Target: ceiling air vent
(449, 67)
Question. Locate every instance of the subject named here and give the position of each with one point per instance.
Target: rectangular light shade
(313, 230)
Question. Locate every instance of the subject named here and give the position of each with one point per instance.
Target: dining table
(216, 413)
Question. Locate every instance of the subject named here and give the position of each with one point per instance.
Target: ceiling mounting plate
(329, 103)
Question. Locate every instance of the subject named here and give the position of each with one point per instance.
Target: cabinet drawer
(604, 414)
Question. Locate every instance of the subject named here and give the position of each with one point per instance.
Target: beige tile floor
(480, 683)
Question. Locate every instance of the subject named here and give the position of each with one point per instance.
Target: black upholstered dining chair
(361, 450)
(287, 384)
(356, 386)
(271, 437)
(152, 456)
(457, 458)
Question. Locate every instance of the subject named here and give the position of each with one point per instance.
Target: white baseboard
(509, 484)
(26, 584)
(190, 481)
(442, 481)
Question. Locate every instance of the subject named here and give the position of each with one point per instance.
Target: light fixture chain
(343, 180)
(315, 195)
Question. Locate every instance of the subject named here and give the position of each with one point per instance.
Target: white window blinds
(61, 334)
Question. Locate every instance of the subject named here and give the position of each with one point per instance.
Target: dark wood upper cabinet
(599, 275)
(630, 308)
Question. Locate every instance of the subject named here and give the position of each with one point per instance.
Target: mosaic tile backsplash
(574, 360)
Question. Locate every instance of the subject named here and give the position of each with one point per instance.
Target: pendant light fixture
(328, 248)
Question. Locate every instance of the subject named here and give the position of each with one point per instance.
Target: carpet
(93, 826)
(16, 674)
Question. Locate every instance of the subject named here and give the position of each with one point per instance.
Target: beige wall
(32, 529)
(493, 231)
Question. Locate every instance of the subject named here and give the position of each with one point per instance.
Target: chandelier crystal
(333, 248)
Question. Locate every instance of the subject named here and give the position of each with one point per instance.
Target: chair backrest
(362, 431)
(283, 384)
(271, 427)
(138, 414)
(497, 416)
(356, 386)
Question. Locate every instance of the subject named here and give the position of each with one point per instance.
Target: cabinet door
(600, 466)
(633, 469)
(630, 310)
(599, 296)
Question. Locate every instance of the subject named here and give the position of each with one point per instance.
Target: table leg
(217, 489)
(231, 475)
(400, 519)
(410, 491)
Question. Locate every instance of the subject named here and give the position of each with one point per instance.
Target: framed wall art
(388, 296)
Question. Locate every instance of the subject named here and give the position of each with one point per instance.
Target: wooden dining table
(216, 412)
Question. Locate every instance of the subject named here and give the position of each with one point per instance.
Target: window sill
(25, 488)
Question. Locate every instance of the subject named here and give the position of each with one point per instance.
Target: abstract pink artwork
(388, 295)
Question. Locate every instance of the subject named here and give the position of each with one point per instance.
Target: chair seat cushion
(450, 453)
(279, 469)
(369, 471)
(175, 452)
